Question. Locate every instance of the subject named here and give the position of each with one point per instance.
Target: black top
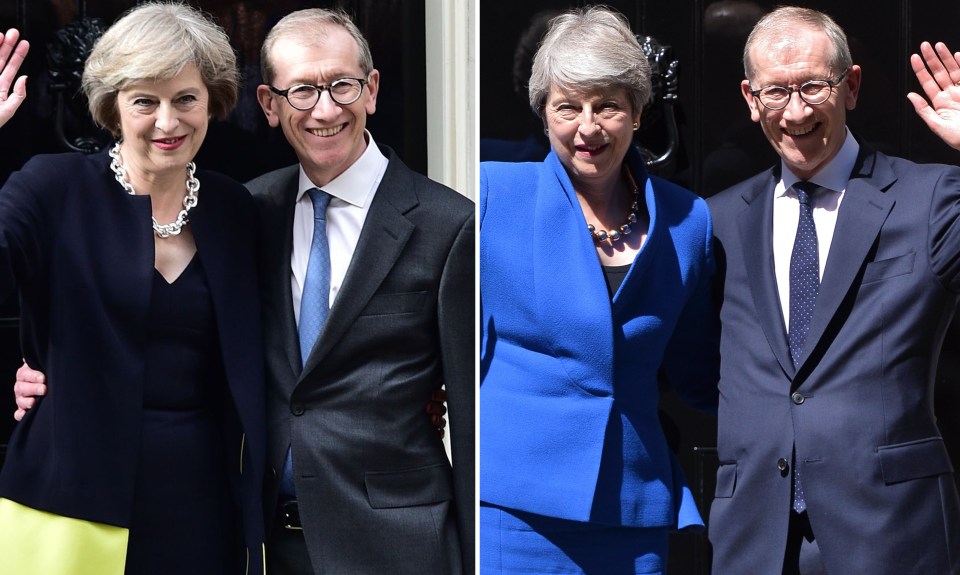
(614, 276)
(183, 518)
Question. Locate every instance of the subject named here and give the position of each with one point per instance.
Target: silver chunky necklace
(189, 201)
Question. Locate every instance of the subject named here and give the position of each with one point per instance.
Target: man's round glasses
(344, 91)
(813, 92)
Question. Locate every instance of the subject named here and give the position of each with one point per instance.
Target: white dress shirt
(351, 194)
(826, 203)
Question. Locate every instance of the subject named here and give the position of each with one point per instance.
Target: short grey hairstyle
(310, 26)
(155, 42)
(588, 49)
(780, 26)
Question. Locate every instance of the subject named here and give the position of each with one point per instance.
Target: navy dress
(184, 519)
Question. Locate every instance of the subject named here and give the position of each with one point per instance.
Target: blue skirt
(514, 542)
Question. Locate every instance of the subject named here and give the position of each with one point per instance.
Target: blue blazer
(80, 252)
(858, 410)
(569, 379)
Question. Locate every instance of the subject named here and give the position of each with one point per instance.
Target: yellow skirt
(35, 542)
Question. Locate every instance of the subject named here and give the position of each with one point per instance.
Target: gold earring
(636, 126)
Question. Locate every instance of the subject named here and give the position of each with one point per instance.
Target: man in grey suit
(372, 490)
(840, 271)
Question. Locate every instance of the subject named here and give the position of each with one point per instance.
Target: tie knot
(805, 190)
(321, 200)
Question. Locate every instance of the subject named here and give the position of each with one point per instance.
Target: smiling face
(328, 138)
(590, 132)
(163, 123)
(806, 137)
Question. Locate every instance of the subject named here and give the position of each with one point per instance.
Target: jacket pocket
(888, 268)
(726, 480)
(393, 303)
(913, 460)
(421, 486)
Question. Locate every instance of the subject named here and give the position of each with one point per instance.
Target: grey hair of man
(779, 28)
(588, 49)
(310, 27)
(155, 42)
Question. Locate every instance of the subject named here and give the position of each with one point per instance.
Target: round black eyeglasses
(813, 93)
(344, 91)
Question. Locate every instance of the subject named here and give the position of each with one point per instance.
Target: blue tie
(804, 285)
(314, 303)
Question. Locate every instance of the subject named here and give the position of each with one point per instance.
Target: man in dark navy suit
(840, 271)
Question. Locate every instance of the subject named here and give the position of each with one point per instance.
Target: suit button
(297, 409)
(797, 397)
(783, 466)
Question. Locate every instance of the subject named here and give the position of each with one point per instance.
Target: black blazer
(374, 485)
(80, 251)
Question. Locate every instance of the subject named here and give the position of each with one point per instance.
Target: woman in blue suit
(595, 287)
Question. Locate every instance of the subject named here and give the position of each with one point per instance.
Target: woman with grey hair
(595, 289)
(139, 302)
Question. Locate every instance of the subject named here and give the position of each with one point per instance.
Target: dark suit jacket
(373, 482)
(80, 251)
(858, 410)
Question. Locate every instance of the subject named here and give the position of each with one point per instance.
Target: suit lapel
(385, 232)
(756, 236)
(862, 212)
(277, 212)
(225, 274)
(572, 301)
(631, 289)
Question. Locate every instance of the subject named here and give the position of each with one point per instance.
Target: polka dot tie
(804, 272)
(804, 285)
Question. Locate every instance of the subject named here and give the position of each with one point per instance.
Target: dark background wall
(719, 145)
(243, 146)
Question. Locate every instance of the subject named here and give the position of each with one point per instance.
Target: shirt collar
(354, 184)
(833, 176)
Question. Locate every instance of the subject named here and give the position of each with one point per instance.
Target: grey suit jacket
(375, 488)
(858, 410)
